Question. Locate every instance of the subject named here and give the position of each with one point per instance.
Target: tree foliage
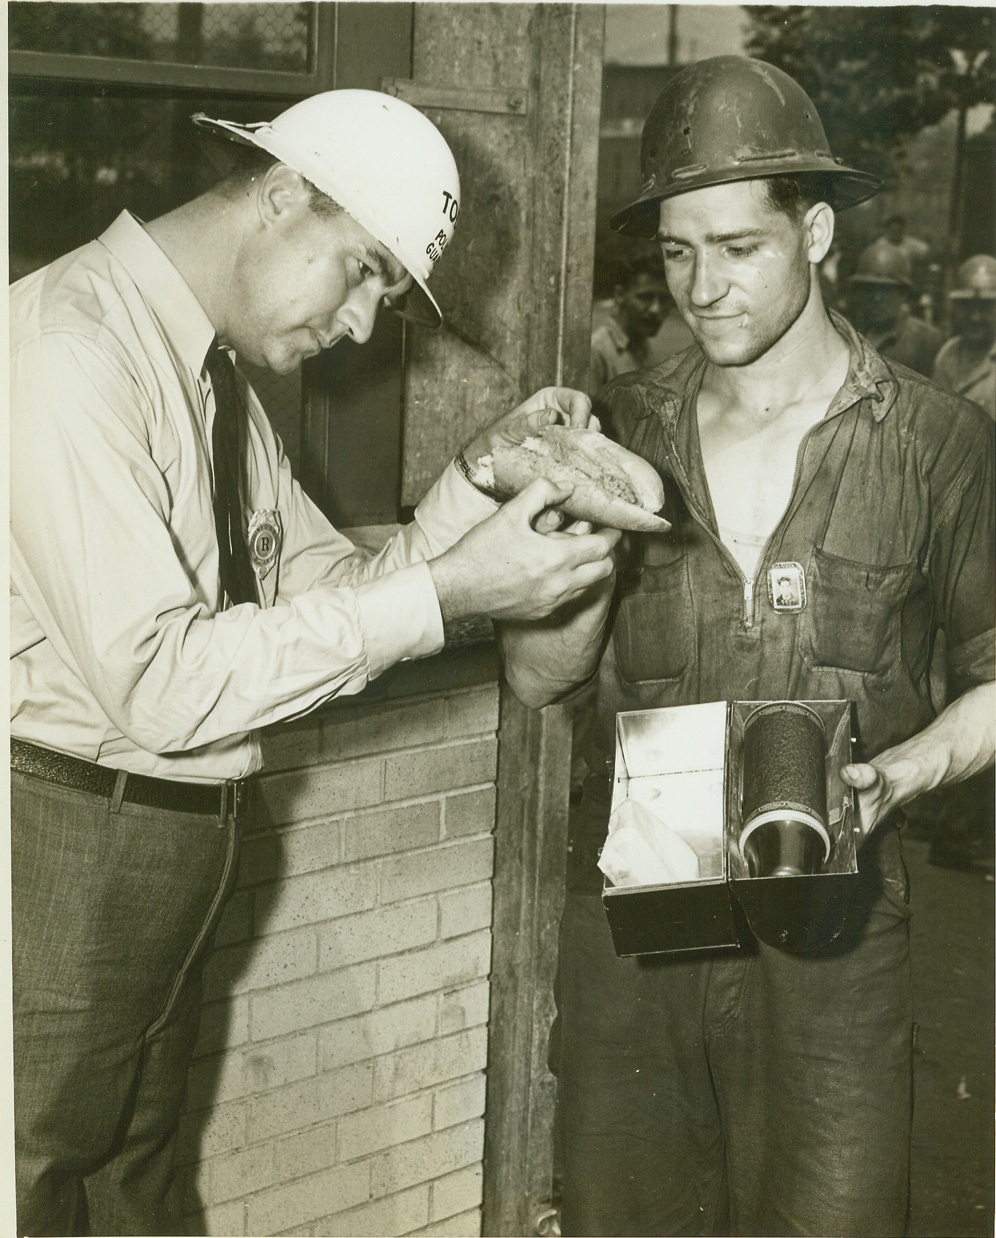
(880, 74)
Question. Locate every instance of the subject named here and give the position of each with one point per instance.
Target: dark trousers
(113, 913)
(749, 1093)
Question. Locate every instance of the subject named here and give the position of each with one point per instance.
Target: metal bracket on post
(507, 101)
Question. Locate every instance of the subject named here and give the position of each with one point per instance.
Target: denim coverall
(752, 1091)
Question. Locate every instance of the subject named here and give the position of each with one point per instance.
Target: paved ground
(953, 969)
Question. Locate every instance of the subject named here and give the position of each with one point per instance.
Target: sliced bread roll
(610, 485)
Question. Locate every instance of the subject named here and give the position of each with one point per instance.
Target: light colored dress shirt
(120, 651)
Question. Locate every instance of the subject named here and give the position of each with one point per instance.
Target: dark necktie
(237, 577)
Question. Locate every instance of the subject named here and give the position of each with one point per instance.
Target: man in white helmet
(966, 364)
(831, 513)
(174, 590)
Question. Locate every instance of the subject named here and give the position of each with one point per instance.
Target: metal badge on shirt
(264, 540)
(787, 587)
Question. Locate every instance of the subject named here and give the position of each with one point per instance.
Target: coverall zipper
(747, 583)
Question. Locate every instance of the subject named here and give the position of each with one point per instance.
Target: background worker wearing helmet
(137, 685)
(879, 306)
(966, 364)
(754, 1091)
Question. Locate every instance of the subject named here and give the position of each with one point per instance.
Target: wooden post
(534, 755)
(516, 90)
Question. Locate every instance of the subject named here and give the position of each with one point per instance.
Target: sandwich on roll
(610, 486)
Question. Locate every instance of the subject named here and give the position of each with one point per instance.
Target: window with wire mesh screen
(77, 161)
(100, 98)
(250, 36)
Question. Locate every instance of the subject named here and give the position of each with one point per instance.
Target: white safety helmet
(976, 280)
(382, 161)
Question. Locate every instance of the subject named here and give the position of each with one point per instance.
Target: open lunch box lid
(679, 772)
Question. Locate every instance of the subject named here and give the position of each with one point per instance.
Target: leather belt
(227, 799)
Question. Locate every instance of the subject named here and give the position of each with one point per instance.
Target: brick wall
(338, 1085)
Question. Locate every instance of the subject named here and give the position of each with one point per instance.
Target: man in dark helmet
(878, 302)
(750, 1090)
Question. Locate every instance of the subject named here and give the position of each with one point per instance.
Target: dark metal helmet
(731, 118)
(885, 264)
(976, 279)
